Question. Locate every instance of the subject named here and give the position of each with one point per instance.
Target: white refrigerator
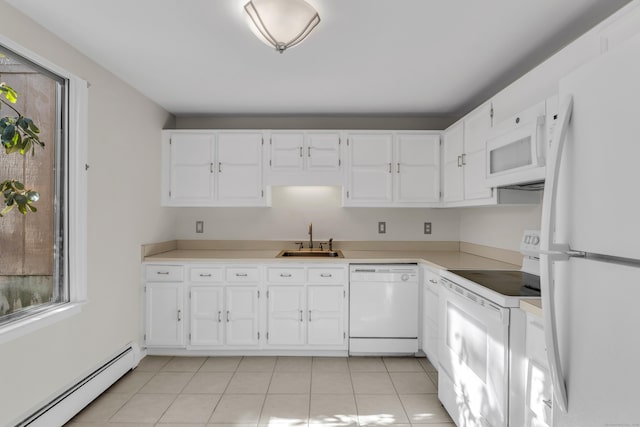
(590, 245)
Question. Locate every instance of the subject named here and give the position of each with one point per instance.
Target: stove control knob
(404, 277)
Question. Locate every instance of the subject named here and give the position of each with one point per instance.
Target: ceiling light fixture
(282, 23)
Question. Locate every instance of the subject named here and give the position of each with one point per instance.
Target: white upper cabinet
(453, 147)
(370, 169)
(465, 160)
(305, 158)
(212, 168)
(393, 169)
(417, 159)
(240, 168)
(190, 171)
(477, 126)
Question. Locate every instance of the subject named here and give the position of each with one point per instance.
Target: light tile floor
(271, 391)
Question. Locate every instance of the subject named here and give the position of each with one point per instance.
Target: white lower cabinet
(223, 316)
(165, 315)
(245, 309)
(285, 315)
(223, 307)
(530, 388)
(538, 396)
(309, 313)
(430, 294)
(164, 308)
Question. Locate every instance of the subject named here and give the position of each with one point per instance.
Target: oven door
(473, 355)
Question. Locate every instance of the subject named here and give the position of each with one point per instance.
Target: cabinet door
(370, 169)
(191, 170)
(287, 151)
(164, 315)
(323, 151)
(325, 315)
(239, 168)
(417, 168)
(476, 131)
(453, 142)
(430, 316)
(241, 315)
(286, 315)
(206, 315)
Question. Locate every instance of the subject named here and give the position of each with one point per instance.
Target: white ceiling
(371, 57)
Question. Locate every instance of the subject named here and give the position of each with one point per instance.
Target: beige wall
(293, 208)
(498, 226)
(124, 200)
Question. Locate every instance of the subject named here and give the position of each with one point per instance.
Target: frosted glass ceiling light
(282, 23)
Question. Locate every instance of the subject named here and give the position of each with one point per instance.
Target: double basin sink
(310, 253)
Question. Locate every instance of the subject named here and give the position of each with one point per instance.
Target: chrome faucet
(310, 235)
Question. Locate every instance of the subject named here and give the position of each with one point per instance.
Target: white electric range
(473, 351)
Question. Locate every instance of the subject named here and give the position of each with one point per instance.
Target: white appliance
(474, 347)
(590, 255)
(517, 156)
(383, 309)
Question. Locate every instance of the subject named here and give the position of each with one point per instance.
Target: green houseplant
(18, 134)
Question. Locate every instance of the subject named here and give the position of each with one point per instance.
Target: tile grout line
(223, 391)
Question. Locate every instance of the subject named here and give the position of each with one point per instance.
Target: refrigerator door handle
(550, 252)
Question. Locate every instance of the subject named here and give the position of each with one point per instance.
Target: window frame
(75, 113)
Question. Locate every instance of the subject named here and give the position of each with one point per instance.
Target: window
(42, 259)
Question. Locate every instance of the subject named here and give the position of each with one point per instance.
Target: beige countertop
(533, 306)
(439, 259)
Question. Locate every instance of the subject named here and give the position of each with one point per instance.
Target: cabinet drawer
(206, 275)
(326, 275)
(285, 275)
(243, 274)
(164, 273)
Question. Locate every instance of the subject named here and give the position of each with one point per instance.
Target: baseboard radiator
(64, 407)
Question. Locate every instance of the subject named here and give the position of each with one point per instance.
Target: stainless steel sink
(302, 253)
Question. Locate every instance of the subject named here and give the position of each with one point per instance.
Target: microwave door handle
(551, 251)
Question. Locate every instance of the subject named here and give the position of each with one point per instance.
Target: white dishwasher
(383, 309)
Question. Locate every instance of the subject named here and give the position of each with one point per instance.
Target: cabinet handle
(459, 161)
(219, 316)
(220, 167)
(301, 316)
(389, 167)
(285, 274)
(211, 167)
(464, 159)
(179, 315)
(205, 275)
(435, 282)
(309, 315)
(227, 316)
(308, 151)
(300, 151)
(326, 275)
(164, 273)
(241, 274)
(398, 167)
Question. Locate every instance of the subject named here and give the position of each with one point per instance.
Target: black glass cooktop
(506, 282)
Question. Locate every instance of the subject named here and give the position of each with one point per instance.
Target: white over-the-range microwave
(516, 150)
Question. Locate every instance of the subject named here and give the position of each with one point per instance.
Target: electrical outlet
(382, 227)
(427, 228)
(199, 226)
